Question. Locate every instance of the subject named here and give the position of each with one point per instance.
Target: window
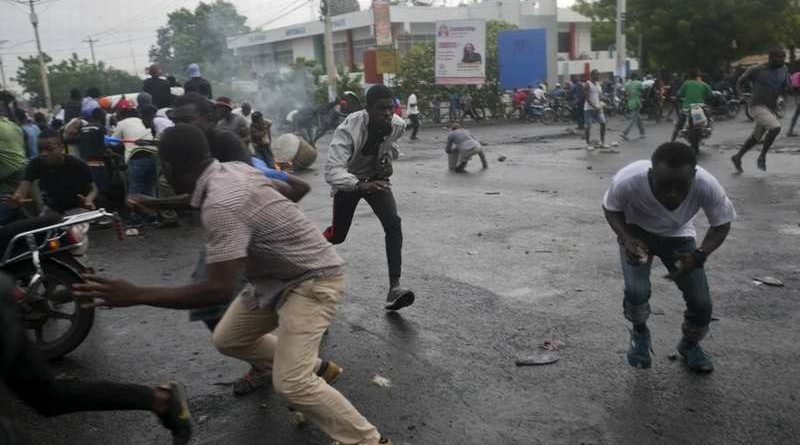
(284, 58)
(563, 42)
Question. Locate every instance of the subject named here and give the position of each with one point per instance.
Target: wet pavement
(501, 261)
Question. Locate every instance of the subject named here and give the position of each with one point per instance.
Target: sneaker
(696, 357)
(604, 146)
(254, 379)
(761, 163)
(330, 371)
(624, 137)
(177, 418)
(589, 147)
(398, 298)
(639, 352)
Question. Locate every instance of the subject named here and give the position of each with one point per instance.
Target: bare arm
(714, 238)
(635, 249)
(218, 288)
(293, 188)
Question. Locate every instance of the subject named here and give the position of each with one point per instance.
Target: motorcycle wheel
(548, 116)
(53, 328)
(566, 114)
(694, 139)
(747, 111)
(733, 110)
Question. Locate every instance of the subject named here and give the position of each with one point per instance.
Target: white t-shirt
(248, 118)
(130, 130)
(631, 194)
(593, 96)
(412, 105)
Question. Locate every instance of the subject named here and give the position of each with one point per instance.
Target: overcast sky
(125, 29)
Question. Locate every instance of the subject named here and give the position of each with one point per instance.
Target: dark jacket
(158, 88)
(198, 85)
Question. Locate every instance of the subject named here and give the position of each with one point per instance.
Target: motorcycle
(39, 253)
(698, 126)
(724, 103)
(539, 112)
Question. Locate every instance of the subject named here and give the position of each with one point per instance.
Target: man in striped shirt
(296, 275)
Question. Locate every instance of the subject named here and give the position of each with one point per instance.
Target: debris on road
(381, 382)
(492, 193)
(589, 167)
(543, 357)
(501, 159)
(472, 252)
(769, 281)
(546, 355)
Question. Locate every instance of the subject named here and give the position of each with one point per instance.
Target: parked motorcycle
(539, 112)
(39, 254)
(723, 104)
(699, 125)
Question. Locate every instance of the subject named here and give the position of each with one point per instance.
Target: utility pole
(133, 55)
(621, 39)
(2, 68)
(329, 59)
(42, 66)
(91, 43)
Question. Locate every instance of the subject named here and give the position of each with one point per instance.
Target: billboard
(461, 52)
(383, 23)
(522, 57)
(387, 61)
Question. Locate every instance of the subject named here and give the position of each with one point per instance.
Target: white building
(569, 36)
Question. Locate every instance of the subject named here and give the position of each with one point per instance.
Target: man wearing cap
(196, 84)
(359, 166)
(157, 87)
(229, 121)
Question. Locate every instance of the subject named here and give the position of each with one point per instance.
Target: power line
(285, 13)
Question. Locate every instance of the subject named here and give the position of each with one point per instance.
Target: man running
(359, 166)
(693, 91)
(297, 280)
(769, 82)
(650, 206)
(593, 110)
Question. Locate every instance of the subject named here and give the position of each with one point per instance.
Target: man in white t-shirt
(413, 115)
(651, 206)
(593, 110)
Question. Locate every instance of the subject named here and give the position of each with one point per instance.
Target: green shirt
(633, 91)
(12, 155)
(694, 92)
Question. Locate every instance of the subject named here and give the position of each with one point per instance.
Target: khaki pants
(293, 354)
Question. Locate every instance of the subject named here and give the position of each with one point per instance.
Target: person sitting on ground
(461, 147)
(65, 181)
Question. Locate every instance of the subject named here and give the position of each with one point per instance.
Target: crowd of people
(268, 283)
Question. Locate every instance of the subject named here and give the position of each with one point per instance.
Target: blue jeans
(636, 119)
(694, 286)
(143, 180)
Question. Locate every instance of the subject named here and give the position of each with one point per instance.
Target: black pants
(385, 208)
(414, 125)
(25, 372)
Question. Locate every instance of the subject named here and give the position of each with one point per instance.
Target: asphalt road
(501, 260)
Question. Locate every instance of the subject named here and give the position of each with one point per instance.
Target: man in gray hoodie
(359, 166)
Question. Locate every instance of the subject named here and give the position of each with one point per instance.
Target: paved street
(501, 260)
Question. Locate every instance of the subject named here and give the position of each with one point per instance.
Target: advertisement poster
(461, 52)
(383, 23)
(387, 61)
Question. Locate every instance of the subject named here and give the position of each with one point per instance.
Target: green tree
(338, 7)
(680, 34)
(200, 36)
(70, 73)
(344, 82)
(603, 15)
